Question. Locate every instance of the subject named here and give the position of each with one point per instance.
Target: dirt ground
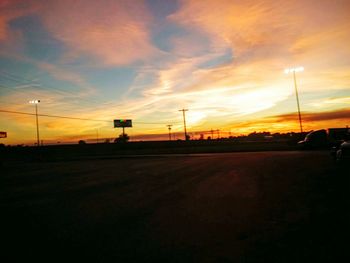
(231, 207)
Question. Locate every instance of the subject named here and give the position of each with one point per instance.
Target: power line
(39, 85)
(53, 116)
(72, 118)
(36, 93)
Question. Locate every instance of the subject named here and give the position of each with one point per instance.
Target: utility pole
(212, 134)
(183, 113)
(218, 131)
(37, 120)
(294, 70)
(297, 97)
(169, 128)
(37, 124)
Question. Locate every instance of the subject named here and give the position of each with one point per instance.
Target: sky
(223, 60)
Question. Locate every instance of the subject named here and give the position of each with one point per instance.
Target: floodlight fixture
(293, 70)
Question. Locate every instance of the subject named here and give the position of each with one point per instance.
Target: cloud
(266, 36)
(345, 100)
(9, 10)
(11, 41)
(246, 25)
(60, 73)
(111, 32)
(331, 102)
(226, 90)
(289, 122)
(241, 25)
(343, 114)
(224, 62)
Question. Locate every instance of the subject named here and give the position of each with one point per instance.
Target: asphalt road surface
(236, 207)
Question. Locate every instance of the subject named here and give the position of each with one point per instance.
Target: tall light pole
(294, 70)
(37, 120)
(169, 128)
(183, 114)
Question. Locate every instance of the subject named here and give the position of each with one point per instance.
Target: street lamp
(37, 121)
(184, 117)
(294, 70)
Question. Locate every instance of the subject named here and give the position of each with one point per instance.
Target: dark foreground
(236, 207)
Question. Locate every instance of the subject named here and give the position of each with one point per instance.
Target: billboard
(120, 123)
(3, 134)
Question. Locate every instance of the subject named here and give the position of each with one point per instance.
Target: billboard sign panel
(3, 134)
(120, 123)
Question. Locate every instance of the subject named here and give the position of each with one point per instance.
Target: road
(232, 207)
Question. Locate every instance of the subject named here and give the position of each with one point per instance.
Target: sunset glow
(223, 60)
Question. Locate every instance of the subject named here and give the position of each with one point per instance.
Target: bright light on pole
(290, 70)
(294, 70)
(36, 102)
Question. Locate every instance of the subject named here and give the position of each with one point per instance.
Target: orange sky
(144, 60)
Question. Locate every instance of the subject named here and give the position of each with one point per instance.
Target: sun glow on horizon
(144, 61)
